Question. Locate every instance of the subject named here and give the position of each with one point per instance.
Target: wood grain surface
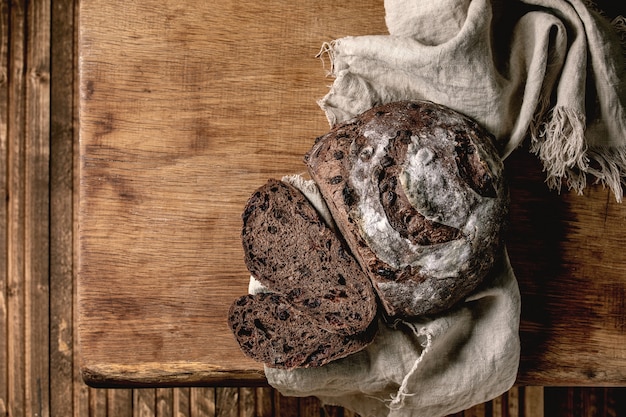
(67, 395)
(186, 108)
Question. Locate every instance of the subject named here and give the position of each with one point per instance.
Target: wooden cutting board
(185, 109)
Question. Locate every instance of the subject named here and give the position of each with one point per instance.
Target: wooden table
(186, 108)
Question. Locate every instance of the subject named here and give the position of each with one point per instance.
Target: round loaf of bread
(419, 194)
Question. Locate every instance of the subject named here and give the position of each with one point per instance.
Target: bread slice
(291, 250)
(270, 330)
(418, 193)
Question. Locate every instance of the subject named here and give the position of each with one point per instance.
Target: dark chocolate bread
(418, 192)
(270, 330)
(291, 250)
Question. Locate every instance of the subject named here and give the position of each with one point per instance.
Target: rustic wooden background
(38, 355)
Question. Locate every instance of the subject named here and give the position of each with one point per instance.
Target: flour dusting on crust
(418, 192)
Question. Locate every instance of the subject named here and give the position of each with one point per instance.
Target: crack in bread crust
(402, 216)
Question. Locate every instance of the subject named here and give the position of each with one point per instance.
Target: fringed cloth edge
(559, 142)
(560, 145)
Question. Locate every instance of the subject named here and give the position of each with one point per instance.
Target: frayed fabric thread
(559, 141)
(560, 144)
(608, 167)
(327, 50)
(619, 23)
(397, 401)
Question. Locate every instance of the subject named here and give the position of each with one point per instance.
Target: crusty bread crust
(419, 194)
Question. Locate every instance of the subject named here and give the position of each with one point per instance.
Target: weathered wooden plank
(164, 180)
(332, 411)
(309, 406)
(181, 406)
(247, 401)
(476, 411)
(80, 398)
(497, 407)
(562, 401)
(119, 402)
(16, 383)
(203, 402)
(614, 401)
(592, 402)
(37, 203)
(4, 112)
(98, 406)
(264, 402)
(62, 79)
(582, 402)
(286, 406)
(512, 403)
(144, 402)
(533, 401)
(226, 402)
(164, 402)
(81, 393)
(198, 234)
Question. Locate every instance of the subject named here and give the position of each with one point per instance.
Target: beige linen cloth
(430, 366)
(550, 71)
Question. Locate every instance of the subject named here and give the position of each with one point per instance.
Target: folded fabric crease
(558, 80)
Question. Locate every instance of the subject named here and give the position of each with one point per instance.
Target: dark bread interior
(319, 291)
(271, 330)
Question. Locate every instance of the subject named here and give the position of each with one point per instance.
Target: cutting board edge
(111, 375)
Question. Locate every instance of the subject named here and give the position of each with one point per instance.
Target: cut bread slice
(270, 330)
(291, 250)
